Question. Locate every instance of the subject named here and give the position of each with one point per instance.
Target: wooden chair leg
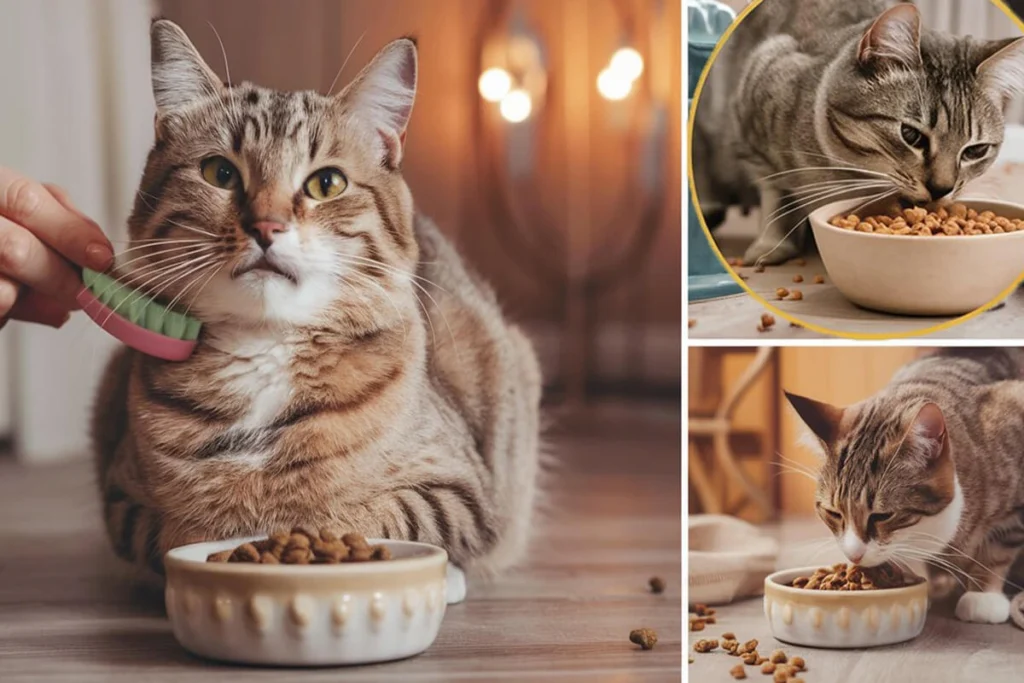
(720, 440)
(709, 499)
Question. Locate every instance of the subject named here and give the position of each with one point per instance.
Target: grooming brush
(137, 320)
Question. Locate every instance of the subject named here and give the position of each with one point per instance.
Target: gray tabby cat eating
(811, 101)
(931, 470)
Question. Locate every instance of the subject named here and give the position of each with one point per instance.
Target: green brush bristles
(140, 309)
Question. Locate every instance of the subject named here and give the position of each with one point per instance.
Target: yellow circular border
(754, 4)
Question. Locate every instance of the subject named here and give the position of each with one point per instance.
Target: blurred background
(545, 141)
(744, 455)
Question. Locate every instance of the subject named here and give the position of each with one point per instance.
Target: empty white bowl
(306, 615)
(927, 276)
(843, 619)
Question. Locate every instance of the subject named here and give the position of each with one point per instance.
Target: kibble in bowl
(884, 261)
(816, 606)
(325, 599)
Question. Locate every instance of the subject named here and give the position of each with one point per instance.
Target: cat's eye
(831, 513)
(913, 137)
(327, 183)
(878, 517)
(976, 152)
(220, 172)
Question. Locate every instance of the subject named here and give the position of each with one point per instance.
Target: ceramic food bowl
(926, 276)
(310, 615)
(843, 619)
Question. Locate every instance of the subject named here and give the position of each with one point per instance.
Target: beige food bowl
(843, 619)
(926, 276)
(310, 615)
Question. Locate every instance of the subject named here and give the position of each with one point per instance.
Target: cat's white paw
(455, 582)
(771, 252)
(983, 608)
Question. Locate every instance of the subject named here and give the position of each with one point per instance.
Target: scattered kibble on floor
(646, 638)
(657, 584)
(819, 280)
(796, 295)
(798, 278)
(782, 292)
(705, 645)
(767, 322)
(693, 322)
(738, 671)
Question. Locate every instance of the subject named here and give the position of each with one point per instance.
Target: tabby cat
(352, 371)
(931, 469)
(858, 95)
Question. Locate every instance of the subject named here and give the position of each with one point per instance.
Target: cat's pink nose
(265, 232)
(855, 557)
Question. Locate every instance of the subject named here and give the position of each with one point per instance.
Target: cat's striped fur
(365, 378)
(931, 468)
(857, 96)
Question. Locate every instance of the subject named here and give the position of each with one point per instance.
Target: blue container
(707, 277)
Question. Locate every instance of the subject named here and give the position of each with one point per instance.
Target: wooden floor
(613, 520)
(948, 651)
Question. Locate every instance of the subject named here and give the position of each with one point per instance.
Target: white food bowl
(927, 276)
(306, 615)
(843, 619)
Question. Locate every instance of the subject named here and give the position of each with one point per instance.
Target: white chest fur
(259, 374)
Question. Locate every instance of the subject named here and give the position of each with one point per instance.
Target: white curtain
(76, 110)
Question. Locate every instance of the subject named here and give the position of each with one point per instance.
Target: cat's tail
(1017, 610)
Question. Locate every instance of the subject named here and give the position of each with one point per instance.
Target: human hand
(41, 235)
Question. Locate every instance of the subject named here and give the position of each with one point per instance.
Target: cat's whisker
(819, 169)
(345, 63)
(158, 266)
(829, 157)
(181, 250)
(387, 295)
(786, 469)
(227, 73)
(952, 569)
(142, 291)
(437, 307)
(797, 463)
(143, 196)
(397, 271)
(942, 545)
(796, 226)
(821, 196)
(195, 297)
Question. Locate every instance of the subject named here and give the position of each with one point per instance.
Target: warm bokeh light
(494, 84)
(627, 63)
(516, 106)
(612, 85)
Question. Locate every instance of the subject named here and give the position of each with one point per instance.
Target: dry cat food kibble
(646, 638)
(304, 546)
(843, 577)
(798, 278)
(767, 322)
(782, 292)
(705, 645)
(657, 584)
(954, 220)
(819, 280)
(738, 671)
(796, 295)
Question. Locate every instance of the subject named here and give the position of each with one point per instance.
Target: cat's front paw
(771, 252)
(983, 608)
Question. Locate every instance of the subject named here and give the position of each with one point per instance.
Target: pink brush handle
(139, 338)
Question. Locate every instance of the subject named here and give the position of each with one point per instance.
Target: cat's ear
(383, 94)
(1001, 71)
(180, 76)
(893, 40)
(930, 442)
(821, 418)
